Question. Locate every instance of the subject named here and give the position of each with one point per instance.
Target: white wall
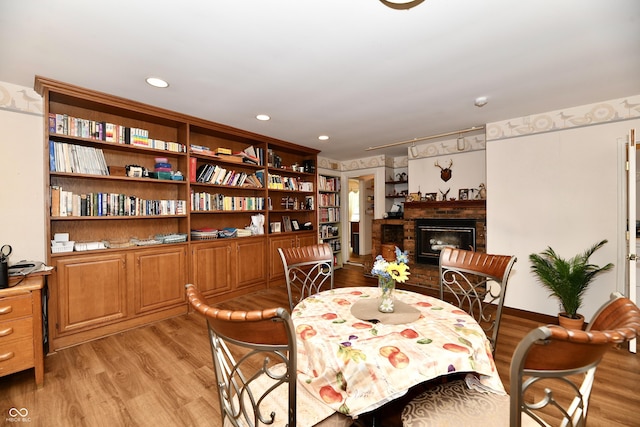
(22, 196)
(468, 170)
(558, 189)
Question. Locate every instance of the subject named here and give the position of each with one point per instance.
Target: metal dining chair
(308, 270)
(551, 377)
(477, 283)
(254, 358)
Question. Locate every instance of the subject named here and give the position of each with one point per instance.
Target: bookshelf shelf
(93, 139)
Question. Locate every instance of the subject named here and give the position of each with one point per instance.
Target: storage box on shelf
(168, 197)
(329, 225)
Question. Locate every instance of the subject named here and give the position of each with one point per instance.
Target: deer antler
(441, 168)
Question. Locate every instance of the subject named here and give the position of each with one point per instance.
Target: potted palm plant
(567, 279)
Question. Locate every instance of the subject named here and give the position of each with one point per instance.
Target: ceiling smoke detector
(480, 101)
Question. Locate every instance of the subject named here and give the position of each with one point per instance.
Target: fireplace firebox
(434, 234)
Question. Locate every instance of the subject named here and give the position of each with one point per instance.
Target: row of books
(220, 202)
(331, 199)
(278, 182)
(329, 214)
(63, 124)
(65, 157)
(67, 203)
(216, 174)
(250, 154)
(273, 159)
(326, 183)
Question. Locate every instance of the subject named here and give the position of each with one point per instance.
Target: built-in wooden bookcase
(292, 186)
(145, 223)
(329, 219)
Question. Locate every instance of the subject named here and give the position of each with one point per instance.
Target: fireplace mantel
(449, 204)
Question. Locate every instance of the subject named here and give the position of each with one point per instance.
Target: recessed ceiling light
(263, 117)
(157, 82)
(323, 137)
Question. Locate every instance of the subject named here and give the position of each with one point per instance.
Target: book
(110, 134)
(246, 158)
(83, 205)
(52, 156)
(193, 162)
(55, 200)
(226, 178)
(222, 150)
(219, 175)
(260, 176)
(52, 123)
(201, 172)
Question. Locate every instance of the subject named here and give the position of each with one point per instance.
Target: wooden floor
(161, 375)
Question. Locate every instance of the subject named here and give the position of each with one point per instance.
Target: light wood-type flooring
(161, 375)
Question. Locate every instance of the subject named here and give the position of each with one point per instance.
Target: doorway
(360, 215)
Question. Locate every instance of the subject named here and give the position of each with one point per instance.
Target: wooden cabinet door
(307, 239)
(276, 268)
(159, 278)
(213, 266)
(90, 292)
(251, 262)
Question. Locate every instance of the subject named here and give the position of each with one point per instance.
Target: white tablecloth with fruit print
(355, 365)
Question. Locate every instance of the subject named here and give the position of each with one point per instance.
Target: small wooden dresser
(21, 344)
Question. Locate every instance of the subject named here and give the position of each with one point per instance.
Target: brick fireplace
(402, 232)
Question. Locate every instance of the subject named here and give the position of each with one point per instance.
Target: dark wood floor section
(161, 375)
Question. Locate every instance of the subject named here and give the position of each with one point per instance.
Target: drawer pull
(5, 332)
(6, 309)
(6, 356)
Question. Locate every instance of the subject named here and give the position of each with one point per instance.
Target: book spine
(193, 162)
(55, 201)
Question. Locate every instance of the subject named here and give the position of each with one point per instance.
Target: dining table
(355, 358)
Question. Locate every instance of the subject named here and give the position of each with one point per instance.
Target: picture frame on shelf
(275, 227)
(463, 194)
(413, 197)
(431, 196)
(295, 225)
(286, 223)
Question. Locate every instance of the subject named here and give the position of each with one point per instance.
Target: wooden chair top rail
(494, 266)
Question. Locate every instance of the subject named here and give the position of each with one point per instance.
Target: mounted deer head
(445, 173)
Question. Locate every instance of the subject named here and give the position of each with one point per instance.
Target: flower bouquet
(390, 272)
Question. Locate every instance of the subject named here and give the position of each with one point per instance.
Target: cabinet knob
(5, 332)
(6, 309)
(6, 356)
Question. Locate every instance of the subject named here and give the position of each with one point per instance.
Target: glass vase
(387, 285)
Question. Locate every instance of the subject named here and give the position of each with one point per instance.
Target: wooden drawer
(14, 307)
(12, 330)
(16, 356)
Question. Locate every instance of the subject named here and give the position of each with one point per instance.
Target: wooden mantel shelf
(450, 204)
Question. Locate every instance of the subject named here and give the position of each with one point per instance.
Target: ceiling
(355, 70)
